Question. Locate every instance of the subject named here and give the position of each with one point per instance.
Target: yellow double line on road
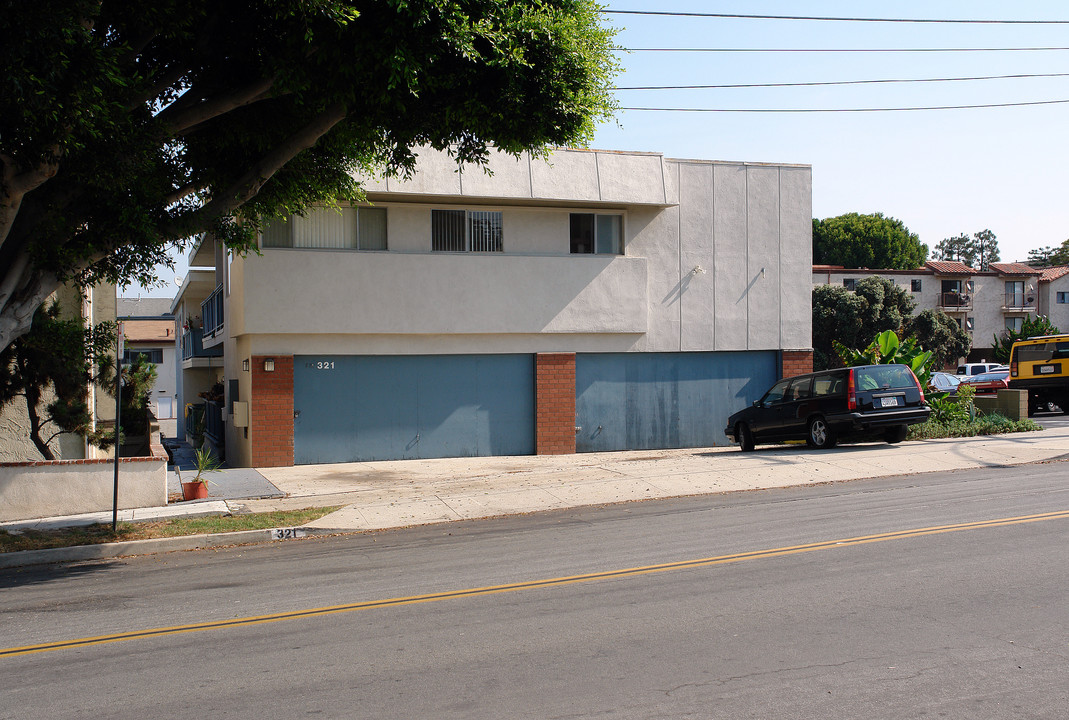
(532, 584)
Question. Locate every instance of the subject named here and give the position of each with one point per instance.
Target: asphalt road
(938, 595)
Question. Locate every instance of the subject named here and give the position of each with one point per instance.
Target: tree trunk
(32, 399)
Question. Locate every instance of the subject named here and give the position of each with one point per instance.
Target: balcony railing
(954, 301)
(193, 347)
(1018, 302)
(212, 311)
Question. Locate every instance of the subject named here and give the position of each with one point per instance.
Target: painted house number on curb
(287, 533)
(321, 365)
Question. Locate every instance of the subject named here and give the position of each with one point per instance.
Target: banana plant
(885, 349)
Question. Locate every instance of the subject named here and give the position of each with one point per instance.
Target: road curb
(127, 548)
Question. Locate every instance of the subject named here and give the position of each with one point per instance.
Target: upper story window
(1062, 298)
(601, 234)
(347, 228)
(153, 356)
(915, 285)
(850, 283)
(466, 231)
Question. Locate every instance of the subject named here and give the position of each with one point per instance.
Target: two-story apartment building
(984, 303)
(594, 301)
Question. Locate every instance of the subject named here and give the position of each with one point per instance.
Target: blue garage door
(353, 408)
(642, 401)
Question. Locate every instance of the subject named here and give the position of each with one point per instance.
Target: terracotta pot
(194, 490)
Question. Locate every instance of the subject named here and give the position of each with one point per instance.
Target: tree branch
(180, 120)
(14, 185)
(248, 185)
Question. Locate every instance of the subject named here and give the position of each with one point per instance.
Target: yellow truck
(1040, 365)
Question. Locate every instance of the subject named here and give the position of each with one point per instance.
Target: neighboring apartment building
(597, 301)
(149, 330)
(984, 303)
(94, 305)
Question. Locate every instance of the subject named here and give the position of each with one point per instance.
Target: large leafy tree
(937, 332)
(854, 318)
(867, 241)
(128, 127)
(51, 368)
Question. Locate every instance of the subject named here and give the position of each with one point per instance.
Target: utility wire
(842, 110)
(835, 19)
(838, 82)
(840, 50)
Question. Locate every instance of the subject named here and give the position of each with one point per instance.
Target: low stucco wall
(37, 489)
(1011, 403)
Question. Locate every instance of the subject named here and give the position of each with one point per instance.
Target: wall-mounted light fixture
(698, 270)
(269, 365)
(245, 364)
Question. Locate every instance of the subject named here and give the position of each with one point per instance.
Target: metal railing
(1019, 301)
(955, 300)
(193, 346)
(212, 311)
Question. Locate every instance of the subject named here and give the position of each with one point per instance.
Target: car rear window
(1043, 352)
(884, 377)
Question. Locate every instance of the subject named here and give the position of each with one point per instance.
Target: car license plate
(887, 402)
(1046, 369)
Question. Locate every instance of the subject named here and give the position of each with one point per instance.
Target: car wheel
(820, 435)
(895, 434)
(744, 436)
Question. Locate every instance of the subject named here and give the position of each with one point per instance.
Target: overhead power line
(838, 82)
(738, 16)
(843, 110)
(842, 50)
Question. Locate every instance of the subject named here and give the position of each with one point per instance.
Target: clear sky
(942, 172)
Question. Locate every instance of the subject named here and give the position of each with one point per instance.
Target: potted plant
(197, 488)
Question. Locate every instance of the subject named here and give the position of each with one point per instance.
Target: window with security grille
(466, 231)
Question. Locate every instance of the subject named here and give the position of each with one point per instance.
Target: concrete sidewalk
(401, 493)
(379, 495)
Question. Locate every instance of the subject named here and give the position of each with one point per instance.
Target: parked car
(978, 368)
(988, 383)
(944, 382)
(823, 407)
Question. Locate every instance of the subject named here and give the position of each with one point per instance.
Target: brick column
(555, 403)
(796, 362)
(271, 412)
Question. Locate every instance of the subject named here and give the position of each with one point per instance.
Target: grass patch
(101, 533)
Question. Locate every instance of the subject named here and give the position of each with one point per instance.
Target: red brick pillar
(555, 403)
(271, 412)
(796, 362)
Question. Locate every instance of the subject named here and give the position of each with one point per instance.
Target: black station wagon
(825, 406)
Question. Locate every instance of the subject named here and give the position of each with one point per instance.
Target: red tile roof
(1053, 273)
(1015, 268)
(950, 267)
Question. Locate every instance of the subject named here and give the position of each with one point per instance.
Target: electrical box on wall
(241, 414)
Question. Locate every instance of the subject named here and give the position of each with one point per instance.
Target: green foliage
(1048, 256)
(941, 334)
(978, 251)
(205, 463)
(128, 128)
(62, 357)
(1031, 327)
(854, 318)
(866, 241)
(886, 349)
(138, 380)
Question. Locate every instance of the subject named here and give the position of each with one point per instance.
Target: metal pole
(118, 411)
